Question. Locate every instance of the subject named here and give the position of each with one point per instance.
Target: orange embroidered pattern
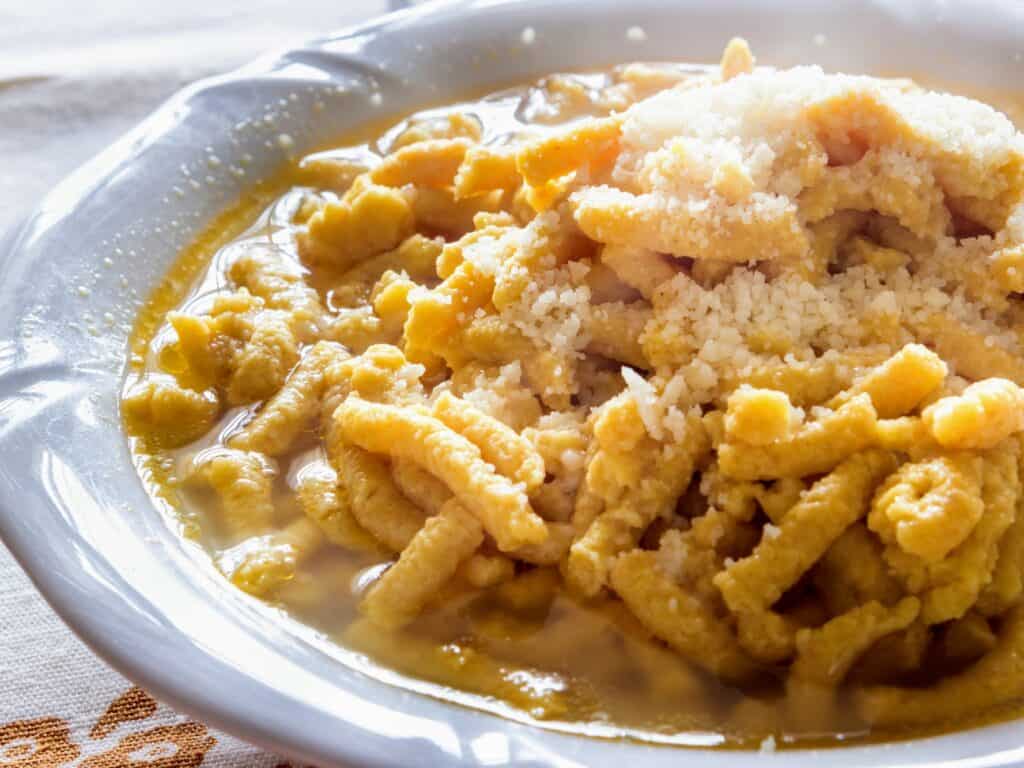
(47, 742)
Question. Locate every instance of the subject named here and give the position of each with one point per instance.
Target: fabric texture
(70, 83)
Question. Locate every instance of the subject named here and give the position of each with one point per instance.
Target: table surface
(70, 83)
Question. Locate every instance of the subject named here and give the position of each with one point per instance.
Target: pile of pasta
(741, 350)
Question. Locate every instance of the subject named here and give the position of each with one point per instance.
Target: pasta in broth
(675, 402)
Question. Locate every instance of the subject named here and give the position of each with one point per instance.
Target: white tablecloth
(74, 76)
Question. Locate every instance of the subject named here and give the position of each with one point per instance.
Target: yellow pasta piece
(852, 572)
(234, 307)
(952, 585)
(451, 126)
(882, 117)
(440, 210)
(280, 283)
(424, 566)
(554, 500)
(237, 332)
(553, 157)
(1008, 268)
(428, 163)
(980, 212)
(736, 59)
(485, 169)
(777, 500)
(199, 346)
(759, 416)
(634, 479)
(380, 373)
(606, 286)
(511, 454)
(436, 316)
(454, 253)
(261, 564)
(751, 586)
(767, 636)
(370, 219)
(646, 79)
(677, 617)
(860, 250)
(614, 216)
(929, 508)
(901, 383)
(984, 415)
(551, 550)
(276, 426)
(971, 353)
(640, 268)
(545, 243)
(615, 329)
(418, 485)
(807, 382)
(552, 376)
(178, 415)
(491, 340)
(325, 171)
(997, 678)
(1007, 585)
(829, 239)
(356, 328)
(503, 508)
(907, 434)
(416, 256)
(390, 298)
(560, 438)
(486, 219)
(365, 487)
(532, 591)
(485, 570)
(887, 180)
(591, 556)
(814, 448)
(499, 391)
(727, 500)
(261, 366)
(825, 655)
(895, 656)
(321, 502)
(694, 556)
(710, 272)
(244, 482)
(967, 639)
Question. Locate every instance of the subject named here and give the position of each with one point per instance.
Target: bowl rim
(180, 682)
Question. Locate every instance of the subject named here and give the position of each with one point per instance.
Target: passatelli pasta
(661, 402)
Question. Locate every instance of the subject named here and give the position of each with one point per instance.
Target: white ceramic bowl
(75, 514)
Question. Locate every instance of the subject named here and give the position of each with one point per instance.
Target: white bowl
(73, 510)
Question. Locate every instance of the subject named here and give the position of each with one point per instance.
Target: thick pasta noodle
(658, 402)
(681, 620)
(426, 563)
(406, 433)
(280, 422)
